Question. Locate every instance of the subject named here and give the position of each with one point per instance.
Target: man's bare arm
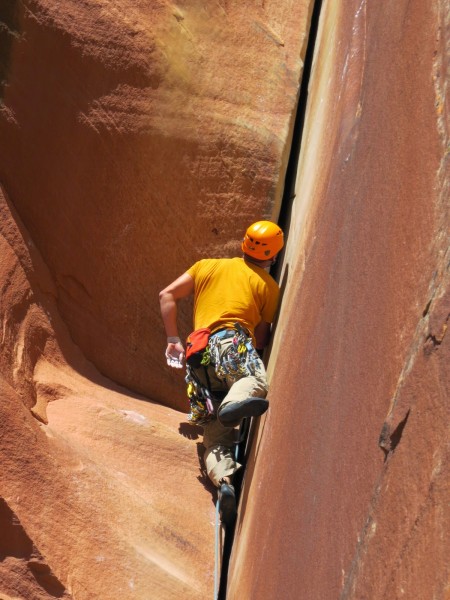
(262, 334)
(168, 298)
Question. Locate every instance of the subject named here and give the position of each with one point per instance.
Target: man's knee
(246, 388)
(220, 462)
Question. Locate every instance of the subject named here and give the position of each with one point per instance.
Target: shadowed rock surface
(136, 137)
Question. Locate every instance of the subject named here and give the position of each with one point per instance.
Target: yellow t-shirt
(230, 290)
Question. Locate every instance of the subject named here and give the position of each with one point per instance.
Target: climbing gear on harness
(227, 503)
(263, 240)
(196, 344)
(223, 334)
(200, 399)
(231, 415)
(240, 359)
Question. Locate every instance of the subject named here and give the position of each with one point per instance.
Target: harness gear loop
(200, 398)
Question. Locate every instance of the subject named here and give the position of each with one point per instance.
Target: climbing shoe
(227, 503)
(231, 415)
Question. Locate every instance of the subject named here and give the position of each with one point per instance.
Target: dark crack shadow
(388, 442)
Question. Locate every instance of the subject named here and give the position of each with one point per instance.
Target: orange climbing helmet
(263, 240)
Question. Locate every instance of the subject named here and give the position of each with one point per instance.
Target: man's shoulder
(270, 281)
(206, 265)
(216, 262)
(262, 274)
(206, 262)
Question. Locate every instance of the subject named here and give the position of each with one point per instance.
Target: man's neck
(263, 264)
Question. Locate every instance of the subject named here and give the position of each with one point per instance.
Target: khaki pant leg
(219, 454)
(247, 387)
(217, 439)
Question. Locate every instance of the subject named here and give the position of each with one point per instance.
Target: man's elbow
(262, 335)
(165, 297)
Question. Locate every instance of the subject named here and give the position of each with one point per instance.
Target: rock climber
(235, 301)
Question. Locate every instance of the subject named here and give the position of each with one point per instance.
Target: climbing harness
(239, 359)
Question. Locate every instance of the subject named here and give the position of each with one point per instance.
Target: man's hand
(175, 354)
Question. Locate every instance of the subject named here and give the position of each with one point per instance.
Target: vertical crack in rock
(426, 309)
(434, 340)
(292, 167)
(286, 203)
(428, 337)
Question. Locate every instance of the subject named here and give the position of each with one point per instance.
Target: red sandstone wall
(362, 346)
(137, 138)
(97, 484)
(122, 123)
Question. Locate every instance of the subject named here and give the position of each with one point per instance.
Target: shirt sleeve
(271, 304)
(192, 271)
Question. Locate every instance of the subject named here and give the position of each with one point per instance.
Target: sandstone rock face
(135, 138)
(138, 138)
(99, 494)
(104, 508)
(361, 355)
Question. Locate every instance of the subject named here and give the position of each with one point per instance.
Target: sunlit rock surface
(348, 492)
(136, 138)
(101, 490)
